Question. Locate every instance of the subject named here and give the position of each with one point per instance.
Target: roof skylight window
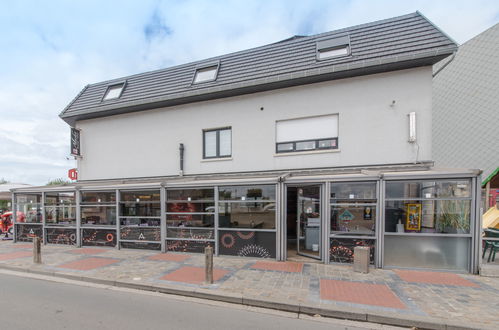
(331, 48)
(114, 91)
(333, 52)
(204, 74)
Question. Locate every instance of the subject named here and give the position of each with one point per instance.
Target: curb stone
(338, 312)
(309, 309)
(271, 303)
(224, 297)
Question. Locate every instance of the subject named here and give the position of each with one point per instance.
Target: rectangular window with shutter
(306, 134)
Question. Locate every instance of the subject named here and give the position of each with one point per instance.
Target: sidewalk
(399, 297)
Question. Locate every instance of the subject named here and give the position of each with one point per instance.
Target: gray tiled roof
(396, 43)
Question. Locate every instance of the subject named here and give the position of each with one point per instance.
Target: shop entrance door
(304, 222)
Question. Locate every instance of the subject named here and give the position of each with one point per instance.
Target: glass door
(308, 222)
(353, 219)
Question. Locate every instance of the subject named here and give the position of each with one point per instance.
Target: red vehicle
(6, 223)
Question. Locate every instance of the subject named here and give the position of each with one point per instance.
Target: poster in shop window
(413, 219)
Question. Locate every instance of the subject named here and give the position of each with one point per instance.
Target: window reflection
(428, 189)
(266, 192)
(353, 208)
(422, 216)
(29, 208)
(247, 215)
(98, 215)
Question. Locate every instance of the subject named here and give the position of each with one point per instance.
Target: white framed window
(206, 73)
(306, 134)
(114, 91)
(332, 48)
(217, 143)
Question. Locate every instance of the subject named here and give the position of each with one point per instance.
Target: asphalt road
(29, 303)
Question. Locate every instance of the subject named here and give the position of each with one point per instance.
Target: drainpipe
(181, 149)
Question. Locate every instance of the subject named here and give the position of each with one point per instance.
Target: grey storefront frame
(281, 181)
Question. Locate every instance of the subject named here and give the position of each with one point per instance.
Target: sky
(49, 50)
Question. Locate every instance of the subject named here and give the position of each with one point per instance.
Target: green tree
(3, 181)
(57, 182)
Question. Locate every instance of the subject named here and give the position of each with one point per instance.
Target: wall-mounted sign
(75, 142)
(73, 174)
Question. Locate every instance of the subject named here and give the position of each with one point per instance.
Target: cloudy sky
(49, 50)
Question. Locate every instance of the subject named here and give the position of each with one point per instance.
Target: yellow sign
(413, 220)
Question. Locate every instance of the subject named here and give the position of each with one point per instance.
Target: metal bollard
(208, 258)
(37, 250)
(361, 259)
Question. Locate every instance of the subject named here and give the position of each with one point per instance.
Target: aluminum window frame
(316, 141)
(474, 257)
(471, 198)
(276, 230)
(119, 216)
(333, 44)
(377, 222)
(214, 214)
(205, 66)
(217, 130)
(123, 86)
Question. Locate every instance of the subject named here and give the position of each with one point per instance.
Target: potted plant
(454, 217)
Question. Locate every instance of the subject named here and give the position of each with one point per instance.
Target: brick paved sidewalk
(415, 298)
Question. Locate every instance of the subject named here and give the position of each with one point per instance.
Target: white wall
(146, 143)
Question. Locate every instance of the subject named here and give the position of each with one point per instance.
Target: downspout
(181, 149)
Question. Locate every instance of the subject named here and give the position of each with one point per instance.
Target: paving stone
(15, 255)
(193, 275)
(88, 263)
(360, 293)
(169, 257)
(455, 299)
(88, 251)
(434, 278)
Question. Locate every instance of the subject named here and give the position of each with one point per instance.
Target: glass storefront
(190, 219)
(353, 207)
(29, 216)
(247, 207)
(98, 208)
(29, 208)
(60, 209)
(140, 219)
(247, 221)
(428, 224)
(404, 223)
(98, 213)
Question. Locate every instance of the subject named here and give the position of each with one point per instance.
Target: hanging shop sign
(75, 142)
